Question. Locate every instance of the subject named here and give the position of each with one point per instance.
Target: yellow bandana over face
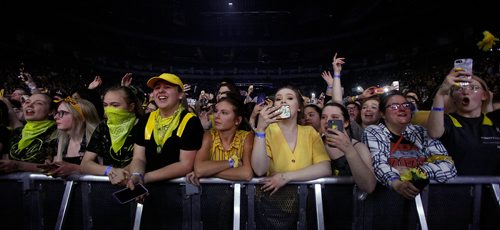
(165, 126)
(120, 123)
(32, 129)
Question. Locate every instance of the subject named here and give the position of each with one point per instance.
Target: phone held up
(126, 195)
(464, 64)
(284, 112)
(336, 125)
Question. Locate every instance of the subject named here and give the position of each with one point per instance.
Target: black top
(42, 148)
(475, 147)
(191, 139)
(100, 143)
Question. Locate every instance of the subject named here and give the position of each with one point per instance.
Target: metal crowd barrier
(37, 201)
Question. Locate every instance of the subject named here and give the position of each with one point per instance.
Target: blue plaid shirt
(377, 138)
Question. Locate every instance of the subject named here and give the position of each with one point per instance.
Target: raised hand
(95, 83)
(126, 79)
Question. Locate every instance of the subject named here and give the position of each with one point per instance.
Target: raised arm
(260, 159)
(337, 86)
(435, 122)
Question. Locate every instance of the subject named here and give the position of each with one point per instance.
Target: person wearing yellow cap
(166, 142)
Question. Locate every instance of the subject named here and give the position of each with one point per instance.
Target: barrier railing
(37, 201)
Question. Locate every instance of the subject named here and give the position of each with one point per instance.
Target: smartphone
(313, 98)
(261, 98)
(126, 195)
(464, 63)
(284, 112)
(336, 125)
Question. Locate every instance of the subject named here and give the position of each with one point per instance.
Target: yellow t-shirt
(309, 149)
(217, 153)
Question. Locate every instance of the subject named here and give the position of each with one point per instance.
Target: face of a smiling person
(166, 95)
(37, 108)
(370, 113)
(397, 111)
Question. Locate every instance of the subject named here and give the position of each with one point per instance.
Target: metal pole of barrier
(251, 207)
(138, 216)
(64, 204)
(421, 213)
(476, 208)
(319, 206)
(236, 205)
(496, 192)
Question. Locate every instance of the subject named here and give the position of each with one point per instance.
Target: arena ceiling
(247, 34)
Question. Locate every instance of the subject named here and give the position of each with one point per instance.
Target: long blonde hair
(85, 120)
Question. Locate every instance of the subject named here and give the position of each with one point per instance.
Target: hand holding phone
(126, 195)
(336, 124)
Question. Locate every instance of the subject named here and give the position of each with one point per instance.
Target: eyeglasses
(473, 88)
(60, 114)
(396, 106)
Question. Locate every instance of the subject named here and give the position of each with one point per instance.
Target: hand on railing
(274, 182)
(192, 178)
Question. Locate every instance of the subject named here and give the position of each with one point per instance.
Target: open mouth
(465, 101)
(29, 112)
(162, 98)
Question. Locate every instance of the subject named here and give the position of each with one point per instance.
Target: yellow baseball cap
(171, 78)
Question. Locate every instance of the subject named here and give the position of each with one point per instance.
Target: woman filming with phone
(468, 133)
(349, 157)
(285, 151)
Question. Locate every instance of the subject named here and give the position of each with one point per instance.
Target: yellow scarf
(31, 130)
(165, 126)
(120, 122)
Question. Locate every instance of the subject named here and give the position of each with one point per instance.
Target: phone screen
(465, 64)
(126, 195)
(336, 124)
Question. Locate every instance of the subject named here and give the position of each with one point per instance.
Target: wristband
(107, 170)
(231, 163)
(139, 175)
(329, 87)
(438, 109)
(336, 75)
(260, 134)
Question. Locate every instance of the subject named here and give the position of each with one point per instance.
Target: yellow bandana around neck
(32, 129)
(120, 122)
(165, 126)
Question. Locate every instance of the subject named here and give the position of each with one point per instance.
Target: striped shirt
(217, 153)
